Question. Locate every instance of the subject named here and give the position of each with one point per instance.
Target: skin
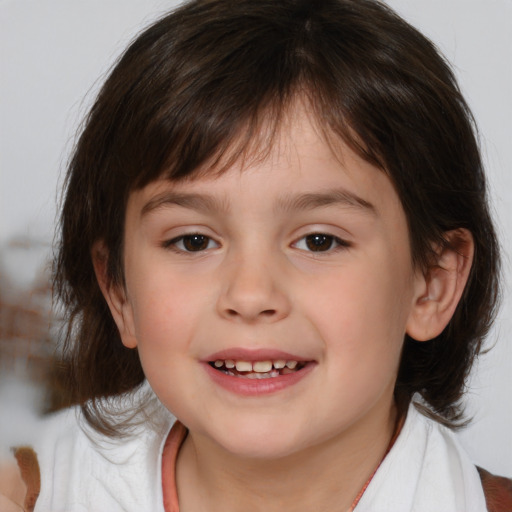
(12, 488)
(258, 285)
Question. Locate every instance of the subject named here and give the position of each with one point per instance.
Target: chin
(263, 441)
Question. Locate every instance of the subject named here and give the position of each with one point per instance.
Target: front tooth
(243, 366)
(218, 363)
(291, 364)
(230, 363)
(262, 366)
(280, 363)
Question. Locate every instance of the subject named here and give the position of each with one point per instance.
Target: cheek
(166, 315)
(166, 308)
(360, 313)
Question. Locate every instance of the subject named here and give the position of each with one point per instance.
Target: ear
(115, 295)
(440, 288)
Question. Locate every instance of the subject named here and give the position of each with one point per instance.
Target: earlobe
(115, 296)
(440, 288)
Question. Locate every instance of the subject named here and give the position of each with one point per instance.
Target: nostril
(265, 312)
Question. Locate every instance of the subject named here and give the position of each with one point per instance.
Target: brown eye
(319, 242)
(194, 243)
(191, 243)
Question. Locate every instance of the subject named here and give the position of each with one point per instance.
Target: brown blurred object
(28, 343)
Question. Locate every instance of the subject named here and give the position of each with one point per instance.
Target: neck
(327, 476)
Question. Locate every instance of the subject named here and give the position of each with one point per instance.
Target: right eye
(195, 242)
(321, 242)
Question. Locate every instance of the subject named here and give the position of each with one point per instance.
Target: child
(275, 229)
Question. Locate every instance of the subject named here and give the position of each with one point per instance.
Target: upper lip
(251, 355)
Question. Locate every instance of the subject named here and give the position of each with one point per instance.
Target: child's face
(245, 283)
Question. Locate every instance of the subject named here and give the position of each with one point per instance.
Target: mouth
(266, 369)
(256, 373)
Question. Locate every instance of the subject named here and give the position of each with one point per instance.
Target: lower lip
(256, 387)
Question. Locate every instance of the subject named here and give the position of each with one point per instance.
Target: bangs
(186, 97)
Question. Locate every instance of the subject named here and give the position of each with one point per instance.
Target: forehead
(298, 166)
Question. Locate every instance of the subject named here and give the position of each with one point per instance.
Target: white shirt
(83, 471)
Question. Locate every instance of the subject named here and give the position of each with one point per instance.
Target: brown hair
(200, 81)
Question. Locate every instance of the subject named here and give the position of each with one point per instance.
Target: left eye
(319, 242)
(192, 243)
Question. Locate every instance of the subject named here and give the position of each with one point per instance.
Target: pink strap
(172, 446)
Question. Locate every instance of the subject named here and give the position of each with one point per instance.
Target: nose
(253, 291)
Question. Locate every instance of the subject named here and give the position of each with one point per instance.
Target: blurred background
(55, 55)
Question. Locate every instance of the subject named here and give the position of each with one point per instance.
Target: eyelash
(333, 243)
(174, 243)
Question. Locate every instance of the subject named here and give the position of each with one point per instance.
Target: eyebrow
(199, 202)
(307, 201)
(334, 197)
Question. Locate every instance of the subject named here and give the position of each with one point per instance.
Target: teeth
(258, 367)
(243, 366)
(268, 375)
(262, 366)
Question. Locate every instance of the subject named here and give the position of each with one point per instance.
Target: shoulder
(497, 490)
(20, 476)
(82, 469)
(446, 477)
(20, 473)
